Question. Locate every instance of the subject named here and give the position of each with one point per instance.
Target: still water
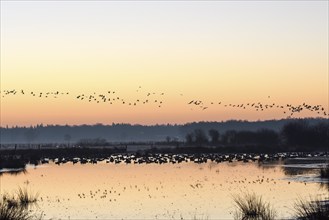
(167, 191)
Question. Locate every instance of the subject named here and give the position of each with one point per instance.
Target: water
(167, 191)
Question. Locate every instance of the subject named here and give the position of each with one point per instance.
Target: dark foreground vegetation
(16, 207)
(313, 209)
(250, 206)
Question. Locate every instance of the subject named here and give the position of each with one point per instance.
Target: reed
(15, 207)
(26, 198)
(313, 209)
(249, 206)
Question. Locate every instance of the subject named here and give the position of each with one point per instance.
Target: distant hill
(128, 132)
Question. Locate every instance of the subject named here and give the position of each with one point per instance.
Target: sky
(215, 51)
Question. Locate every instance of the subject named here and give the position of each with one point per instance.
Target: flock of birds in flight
(157, 99)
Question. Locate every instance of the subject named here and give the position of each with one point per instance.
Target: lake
(168, 191)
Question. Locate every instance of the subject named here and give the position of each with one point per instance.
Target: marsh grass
(10, 209)
(249, 206)
(313, 209)
(26, 198)
(15, 207)
(11, 213)
(11, 201)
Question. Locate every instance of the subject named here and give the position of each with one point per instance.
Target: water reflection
(166, 191)
(293, 171)
(14, 172)
(293, 167)
(324, 185)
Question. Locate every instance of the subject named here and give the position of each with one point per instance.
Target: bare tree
(200, 136)
(214, 136)
(189, 138)
(67, 138)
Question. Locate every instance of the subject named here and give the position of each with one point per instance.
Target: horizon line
(160, 124)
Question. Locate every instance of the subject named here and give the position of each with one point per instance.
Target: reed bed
(15, 207)
(249, 206)
(313, 209)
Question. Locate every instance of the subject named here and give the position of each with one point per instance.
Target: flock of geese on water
(168, 190)
(159, 158)
(112, 97)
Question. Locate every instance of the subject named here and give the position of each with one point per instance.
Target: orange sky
(233, 52)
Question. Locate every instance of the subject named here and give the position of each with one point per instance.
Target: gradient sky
(234, 52)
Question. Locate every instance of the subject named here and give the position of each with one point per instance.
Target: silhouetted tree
(200, 137)
(261, 137)
(229, 137)
(320, 135)
(189, 138)
(302, 135)
(267, 137)
(310, 137)
(245, 137)
(294, 133)
(214, 136)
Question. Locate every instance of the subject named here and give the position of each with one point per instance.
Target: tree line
(298, 135)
